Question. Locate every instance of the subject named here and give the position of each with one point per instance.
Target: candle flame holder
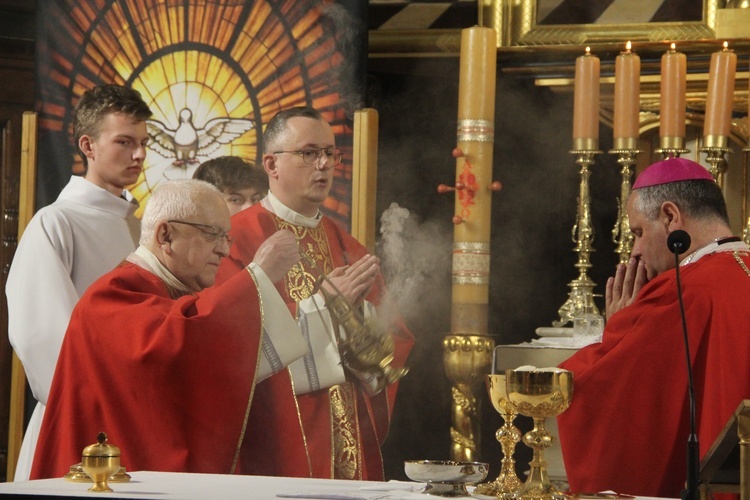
(671, 152)
(671, 147)
(621, 234)
(581, 297)
(715, 156)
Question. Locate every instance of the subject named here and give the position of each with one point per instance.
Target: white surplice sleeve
(281, 341)
(321, 367)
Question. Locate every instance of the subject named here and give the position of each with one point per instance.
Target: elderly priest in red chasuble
(628, 425)
(166, 370)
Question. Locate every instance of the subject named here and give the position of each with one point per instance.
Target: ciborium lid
(101, 449)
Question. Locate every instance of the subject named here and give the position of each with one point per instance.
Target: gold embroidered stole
(346, 445)
(739, 260)
(301, 280)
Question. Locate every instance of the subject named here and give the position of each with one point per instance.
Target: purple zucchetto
(672, 170)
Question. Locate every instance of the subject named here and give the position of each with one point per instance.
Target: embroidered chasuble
(314, 419)
(301, 281)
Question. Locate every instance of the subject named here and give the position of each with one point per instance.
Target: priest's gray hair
(698, 199)
(179, 199)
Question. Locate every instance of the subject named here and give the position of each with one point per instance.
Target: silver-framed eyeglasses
(212, 234)
(311, 156)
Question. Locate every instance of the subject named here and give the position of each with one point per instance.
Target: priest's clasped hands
(353, 282)
(623, 287)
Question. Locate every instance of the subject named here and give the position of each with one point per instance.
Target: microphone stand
(691, 491)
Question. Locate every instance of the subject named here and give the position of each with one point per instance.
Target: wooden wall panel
(16, 96)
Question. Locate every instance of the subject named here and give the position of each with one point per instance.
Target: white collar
(146, 259)
(82, 191)
(714, 247)
(276, 206)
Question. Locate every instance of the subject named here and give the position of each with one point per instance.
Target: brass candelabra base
(621, 235)
(580, 300)
(466, 358)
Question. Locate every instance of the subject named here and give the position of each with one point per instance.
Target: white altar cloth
(172, 485)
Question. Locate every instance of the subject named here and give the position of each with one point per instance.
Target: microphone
(678, 242)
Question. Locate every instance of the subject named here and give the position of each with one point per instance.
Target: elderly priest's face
(197, 246)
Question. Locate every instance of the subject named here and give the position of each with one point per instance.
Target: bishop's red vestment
(627, 427)
(169, 380)
(332, 432)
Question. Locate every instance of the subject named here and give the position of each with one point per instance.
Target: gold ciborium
(507, 483)
(539, 394)
(100, 461)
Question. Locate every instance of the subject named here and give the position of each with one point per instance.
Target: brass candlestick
(539, 394)
(621, 234)
(466, 359)
(581, 298)
(507, 483)
(671, 147)
(716, 147)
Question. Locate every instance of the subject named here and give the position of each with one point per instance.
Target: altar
(182, 486)
(172, 485)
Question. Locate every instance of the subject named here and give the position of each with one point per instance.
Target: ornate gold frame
(515, 23)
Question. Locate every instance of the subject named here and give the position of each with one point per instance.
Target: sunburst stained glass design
(213, 73)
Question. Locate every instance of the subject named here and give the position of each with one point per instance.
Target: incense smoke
(415, 259)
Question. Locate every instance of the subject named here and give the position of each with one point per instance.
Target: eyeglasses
(311, 156)
(212, 234)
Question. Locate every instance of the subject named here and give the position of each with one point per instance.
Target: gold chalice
(539, 394)
(507, 483)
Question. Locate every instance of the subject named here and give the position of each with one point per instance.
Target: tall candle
(627, 95)
(720, 93)
(586, 100)
(673, 94)
(475, 133)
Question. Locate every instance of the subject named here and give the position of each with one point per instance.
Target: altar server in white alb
(86, 232)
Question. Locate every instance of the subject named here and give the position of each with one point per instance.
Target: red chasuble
(334, 432)
(169, 380)
(627, 427)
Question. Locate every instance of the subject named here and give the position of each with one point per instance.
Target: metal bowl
(445, 477)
